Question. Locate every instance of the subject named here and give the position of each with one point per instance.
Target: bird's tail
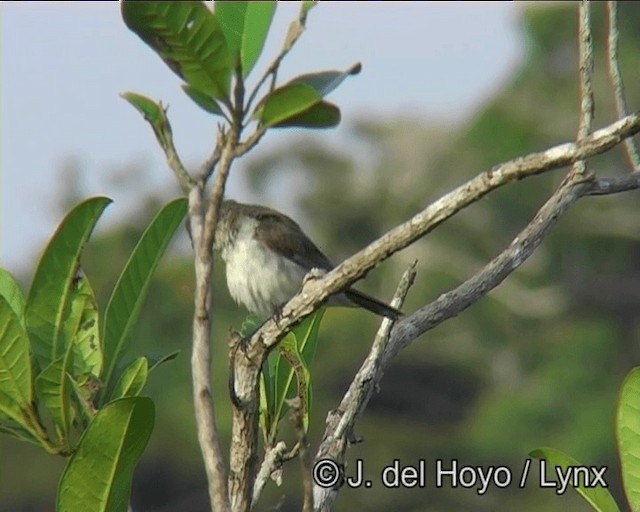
(372, 304)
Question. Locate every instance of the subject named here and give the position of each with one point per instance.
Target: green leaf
(150, 110)
(286, 102)
(11, 291)
(15, 363)
(187, 37)
(307, 336)
(155, 361)
(85, 339)
(98, 475)
(132, 379)
(245, 26)
(85, 388)
(598, 497)
(292, 359)
(320, 115)
(15, 430)
(53, 286)
(82, 356)
(628, 434)
(130, 290)
(323, 82)
(206, 103)
(307, 5)
(54, 392)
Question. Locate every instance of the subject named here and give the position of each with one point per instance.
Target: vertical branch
(204, 231)
(208, 438)
(616, 80)
(586, 83)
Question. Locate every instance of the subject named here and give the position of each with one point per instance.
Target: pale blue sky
(64, 65)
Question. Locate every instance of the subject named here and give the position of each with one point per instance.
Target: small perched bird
(267, 256)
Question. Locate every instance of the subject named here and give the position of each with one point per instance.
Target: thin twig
(616, 81)
(272, 462)
(206, 215)
(340, 421)
(296, 404)
(586, 79)
(164, 134)
(207, 168)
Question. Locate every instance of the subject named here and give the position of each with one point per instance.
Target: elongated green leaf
(132, 380)
(49, 299)
(256, 27)
(15, 362)
(15, 430)
(130, 290)
(323, 82)
(150, 110)
(628, 433)
(85, 339)
(82, 356)
(266, 399)
(85, 388)
(205, 102)
(307, 336)
(245, 26)
(98, 475)
(12, 293)
(54, 392)
(598, 497)
(292, 359)
(286, 102)
(155, 361)
(320, 115)
(187, 37)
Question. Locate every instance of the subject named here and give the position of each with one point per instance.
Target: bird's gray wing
(275, 231)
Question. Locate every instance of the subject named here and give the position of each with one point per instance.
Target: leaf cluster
(64, 383)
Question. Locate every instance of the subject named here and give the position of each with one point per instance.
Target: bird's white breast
(257, 277)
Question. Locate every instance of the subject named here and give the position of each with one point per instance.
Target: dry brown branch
(272, 462)
(586, 74)
(616, 81)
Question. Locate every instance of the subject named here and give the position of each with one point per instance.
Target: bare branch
(586, 75)
(586, 70)
(271, 463)
(340, 422)
(251, 141)
(164, 135)
(207, 168)
(208, 438)
(616, 81)
(454, 302)
(205, 219)
(296, 417)
(315, 291)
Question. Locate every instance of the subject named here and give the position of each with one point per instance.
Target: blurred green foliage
(536, 363)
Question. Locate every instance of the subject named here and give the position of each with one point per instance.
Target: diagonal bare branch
(315, 291)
